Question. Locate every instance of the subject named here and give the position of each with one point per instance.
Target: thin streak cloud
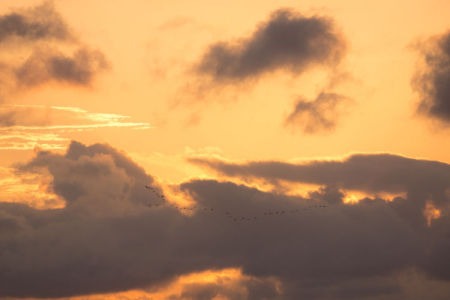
(26, 127)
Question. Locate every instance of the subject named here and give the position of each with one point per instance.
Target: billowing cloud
(432, 81)
(319, 115)
(38, 23)
(110, 237)
(287, 41)
(44, 66)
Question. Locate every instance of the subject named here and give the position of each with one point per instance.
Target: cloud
(319, 115)
(244, 288)
(366, 172)
(26, 189)
(7, 118)
(322, 252)
(176, 23)
(432, 81)
(421, 180)
(39, 23)
(25, 127)
(37, 35)
(80, 162)
(44, 66)
(288, 41)
(108, 238)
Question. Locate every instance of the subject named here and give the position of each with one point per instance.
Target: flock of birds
(270, 213)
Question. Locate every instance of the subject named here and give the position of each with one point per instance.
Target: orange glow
(222, 277)
(431, 212)
(353, 197)
(28, 189)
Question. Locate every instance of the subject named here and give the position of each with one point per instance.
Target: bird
(162, 201)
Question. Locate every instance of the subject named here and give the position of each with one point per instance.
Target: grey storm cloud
(108, 238)
(78, 69)
(288, 41)
(38, 23)
(433, 81)
(318, 115)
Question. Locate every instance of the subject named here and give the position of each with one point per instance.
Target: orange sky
(148, 72)
(141, 103)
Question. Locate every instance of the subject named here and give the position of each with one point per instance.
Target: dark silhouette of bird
(162, 201)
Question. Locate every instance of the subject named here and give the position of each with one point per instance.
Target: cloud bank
(108, 238)
(422, 180)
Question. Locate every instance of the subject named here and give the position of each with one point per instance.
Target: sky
(224, 149)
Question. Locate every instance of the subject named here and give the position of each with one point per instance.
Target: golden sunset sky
(196, 90)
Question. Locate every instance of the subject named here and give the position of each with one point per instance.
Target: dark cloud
(322, 254)
(41, 31)
(433, 80)
(108, 238)
(421, 180)
(319, 115)
(365, 172)
(375, 288)
(80, 162)
(328, 194)
(288, 41)
(38, 23)
(79, 69)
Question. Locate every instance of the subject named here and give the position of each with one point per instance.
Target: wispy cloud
(26, 127)
(319, 115)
